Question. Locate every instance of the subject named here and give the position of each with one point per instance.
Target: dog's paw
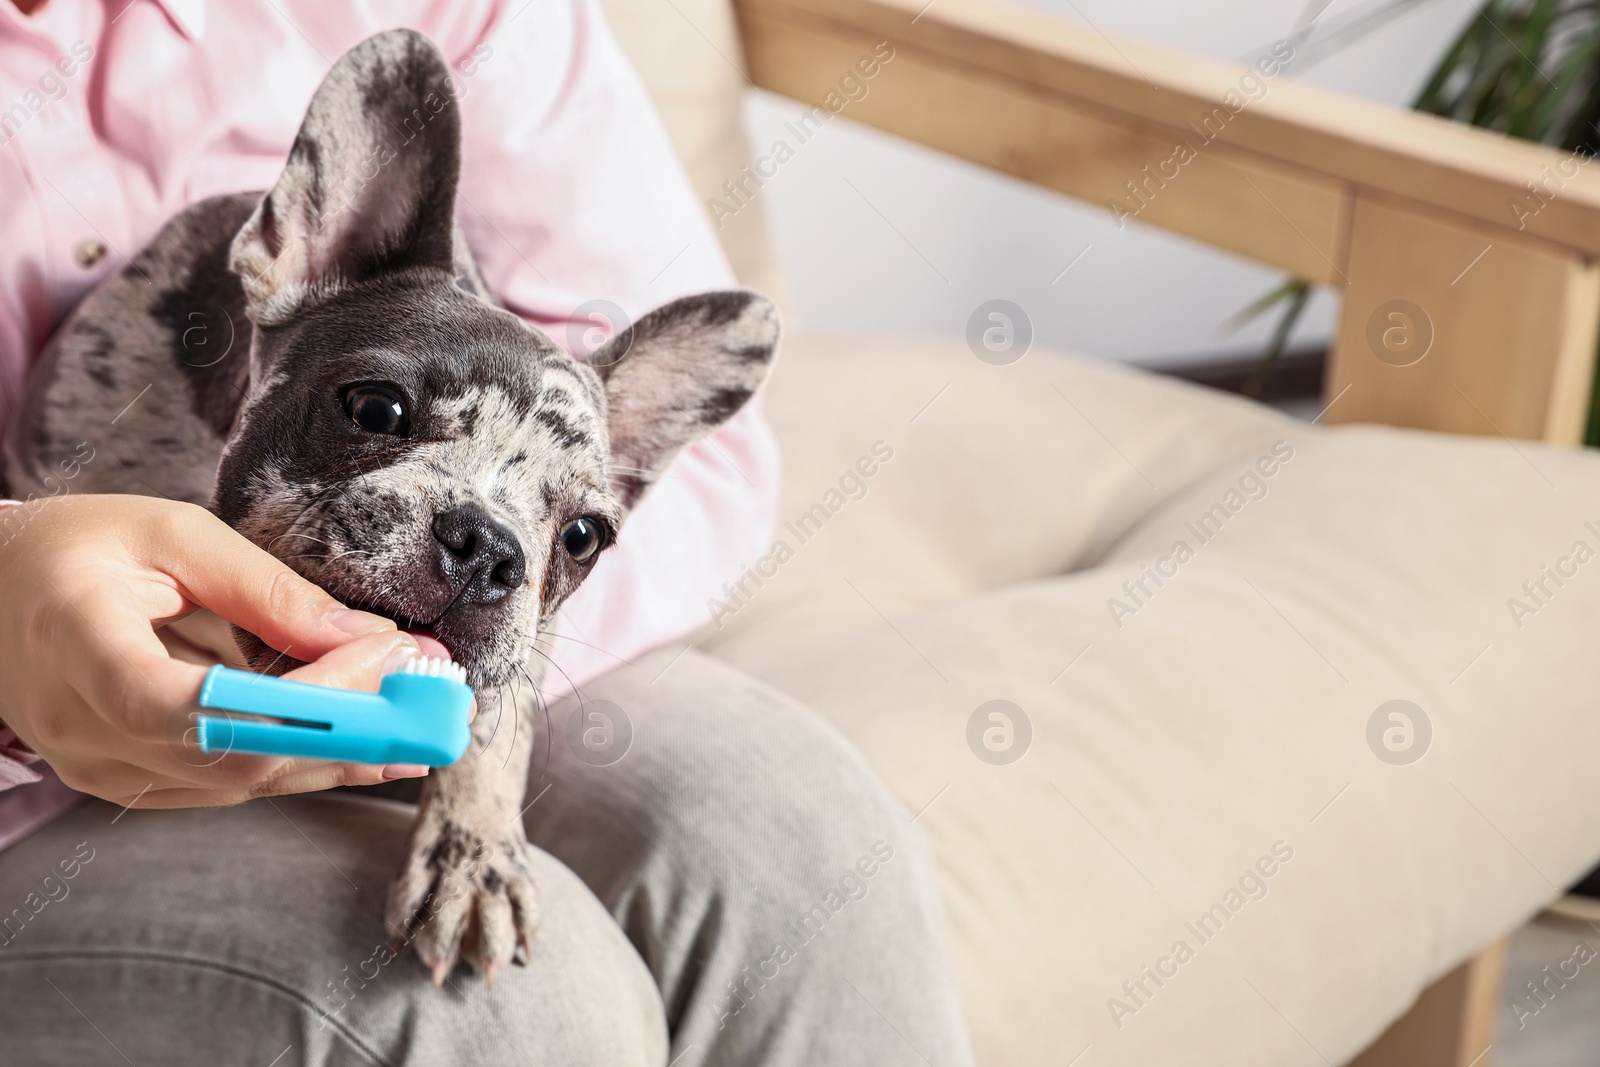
(464, 894)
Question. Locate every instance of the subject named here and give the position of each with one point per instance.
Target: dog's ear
(677, 374)
(370, 182)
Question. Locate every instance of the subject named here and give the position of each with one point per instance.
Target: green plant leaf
(1263, 304)
(1528, 68)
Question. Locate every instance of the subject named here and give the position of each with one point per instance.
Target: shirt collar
(189, 15)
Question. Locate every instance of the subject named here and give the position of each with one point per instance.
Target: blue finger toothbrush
(418, 715)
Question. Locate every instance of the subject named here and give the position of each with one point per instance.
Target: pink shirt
(116, 114)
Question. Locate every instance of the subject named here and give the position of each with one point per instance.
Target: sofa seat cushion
(916, 474)
(1218, 844)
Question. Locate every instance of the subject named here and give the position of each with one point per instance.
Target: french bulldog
(390, 432)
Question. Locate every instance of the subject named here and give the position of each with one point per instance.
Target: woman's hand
(89, 684)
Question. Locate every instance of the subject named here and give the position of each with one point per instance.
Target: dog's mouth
(409, 623)
(426, 632)
(444, 624)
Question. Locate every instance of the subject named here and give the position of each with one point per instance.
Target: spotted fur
(214, 369)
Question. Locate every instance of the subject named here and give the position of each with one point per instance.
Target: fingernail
(405, 651)
(404, 770)
(360, 623)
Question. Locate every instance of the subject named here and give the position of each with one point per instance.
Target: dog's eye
(581, 538)
(376, 409)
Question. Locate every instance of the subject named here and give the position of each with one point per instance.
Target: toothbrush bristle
(435, 668)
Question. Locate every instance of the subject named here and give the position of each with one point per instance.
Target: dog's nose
(474, 548)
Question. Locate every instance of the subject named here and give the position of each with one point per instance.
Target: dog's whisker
(355, 552)
(546, 657)
(516, 723)
(499, 716)
(549, 728)
(588, 644)
(317, 500)
(544, 709)
(307, 536)
(292, 532)
(344, 482)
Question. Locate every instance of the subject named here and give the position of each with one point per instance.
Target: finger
(119, 667)
(362, 663)
(149, 700)
(235, 777)
(310, 777)
(358, 665)
(344, 667)
(124, 675)
(146, 702)
(221, 570)
(321, 776)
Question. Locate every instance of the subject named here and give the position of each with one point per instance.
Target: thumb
(360, 664)
(221, 570)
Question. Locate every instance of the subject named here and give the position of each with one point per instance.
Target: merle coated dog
(391, 433)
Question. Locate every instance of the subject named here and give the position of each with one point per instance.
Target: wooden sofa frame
(1470, 296)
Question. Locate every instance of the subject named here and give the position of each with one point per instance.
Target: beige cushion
(1227, 715)
(998, 474)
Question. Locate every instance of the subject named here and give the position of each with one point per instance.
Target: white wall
(879, 234)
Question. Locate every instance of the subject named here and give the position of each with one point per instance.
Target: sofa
(1238, 738)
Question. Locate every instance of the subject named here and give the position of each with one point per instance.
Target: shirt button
(90, 251)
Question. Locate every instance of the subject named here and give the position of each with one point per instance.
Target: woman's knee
(582, 997)
(727, 774)
(188, 934)
(756, 861)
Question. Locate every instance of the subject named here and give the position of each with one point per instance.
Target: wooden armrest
(1412, 216)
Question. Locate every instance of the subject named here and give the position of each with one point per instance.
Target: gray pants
(737, 889)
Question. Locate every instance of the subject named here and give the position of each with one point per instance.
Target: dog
(391, 433)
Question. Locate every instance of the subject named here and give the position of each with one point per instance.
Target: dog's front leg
(465, 891)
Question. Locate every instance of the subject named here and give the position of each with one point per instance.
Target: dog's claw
(489, 970)
(475, 899)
